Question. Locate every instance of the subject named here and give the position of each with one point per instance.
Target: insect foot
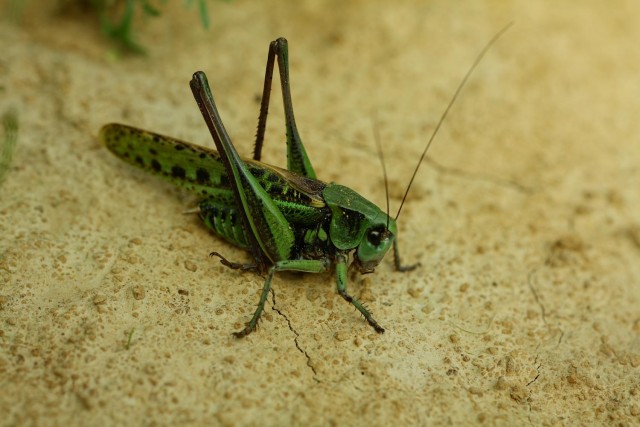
(233, 265)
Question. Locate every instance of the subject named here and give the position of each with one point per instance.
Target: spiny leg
(264, 104)
(269, 235)
(251, 326)
(341, 276)
(234, 265)
(396, 260)
(306, 266)
(297, 159)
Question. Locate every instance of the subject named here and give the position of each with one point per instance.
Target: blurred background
(524, 216)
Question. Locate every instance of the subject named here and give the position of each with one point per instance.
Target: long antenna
(376, 135)
(446, 111)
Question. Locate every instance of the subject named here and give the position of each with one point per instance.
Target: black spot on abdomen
(178, 172)
(202, 176)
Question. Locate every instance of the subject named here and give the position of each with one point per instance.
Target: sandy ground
(526, 221)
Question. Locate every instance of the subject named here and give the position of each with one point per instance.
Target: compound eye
(375, 235)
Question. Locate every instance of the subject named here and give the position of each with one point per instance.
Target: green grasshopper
(287, 219)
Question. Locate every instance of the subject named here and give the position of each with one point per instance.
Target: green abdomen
(200, 171)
